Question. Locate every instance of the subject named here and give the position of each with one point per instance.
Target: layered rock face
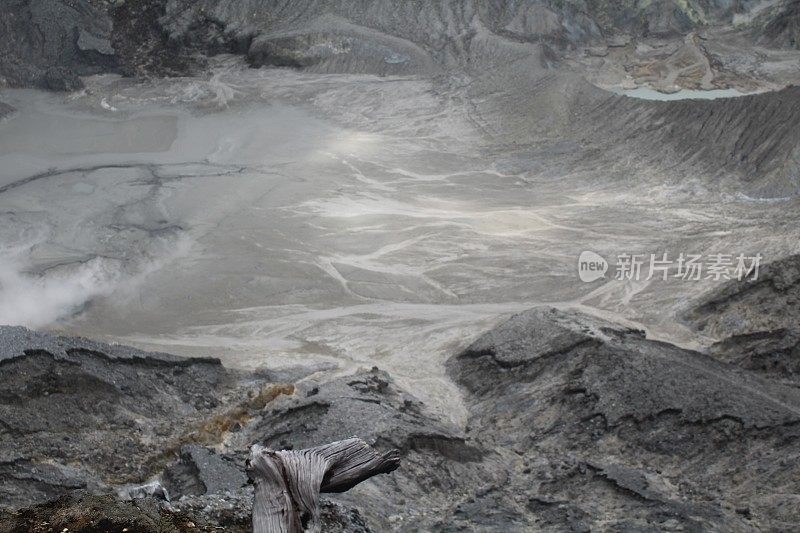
(610, 427)
(111, 410)
(755, 324)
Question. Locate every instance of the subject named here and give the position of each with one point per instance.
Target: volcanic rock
(610, 427)
(756, 323)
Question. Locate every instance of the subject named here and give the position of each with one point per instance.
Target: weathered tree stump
(288, 483)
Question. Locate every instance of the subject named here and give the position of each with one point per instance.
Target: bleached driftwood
(288, 483)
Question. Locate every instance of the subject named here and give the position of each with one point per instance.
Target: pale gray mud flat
(276, 218)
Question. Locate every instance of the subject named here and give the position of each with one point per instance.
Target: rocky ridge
(574, 423)
(639, 432)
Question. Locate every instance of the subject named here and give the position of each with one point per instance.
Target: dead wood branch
(288, 483)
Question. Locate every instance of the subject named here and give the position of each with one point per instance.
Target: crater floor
(275, 217)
